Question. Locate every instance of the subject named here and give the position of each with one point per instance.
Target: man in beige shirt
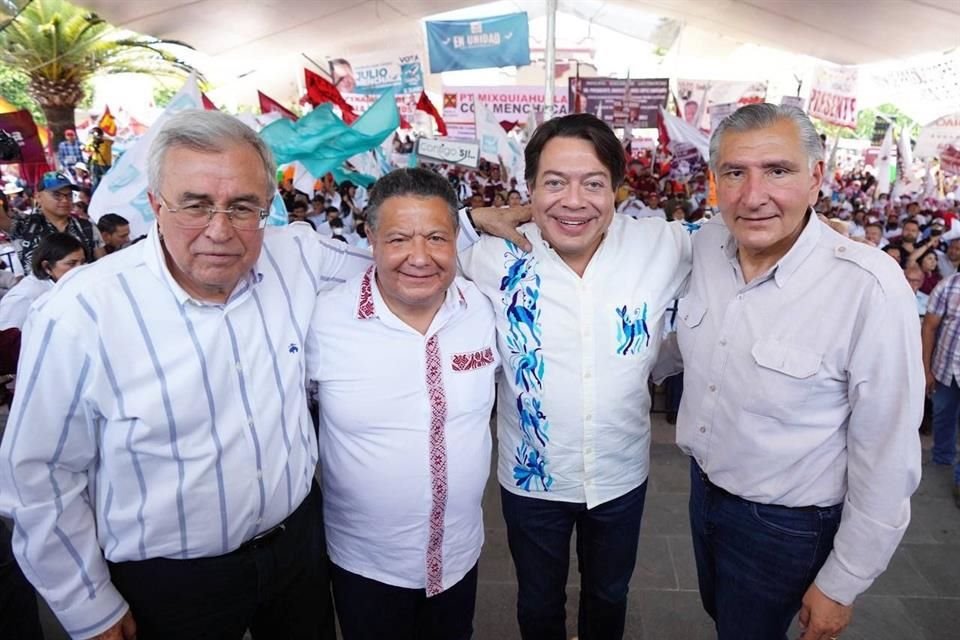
(803, 392)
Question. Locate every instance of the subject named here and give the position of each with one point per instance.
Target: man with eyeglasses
(163, 486)
(54, 201)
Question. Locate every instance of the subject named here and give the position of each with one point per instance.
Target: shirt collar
(792, 260)
(370, 302)
(156, 261)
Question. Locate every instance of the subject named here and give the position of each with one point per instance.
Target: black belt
(265, 538)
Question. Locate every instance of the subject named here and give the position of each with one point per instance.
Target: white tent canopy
(262, 45)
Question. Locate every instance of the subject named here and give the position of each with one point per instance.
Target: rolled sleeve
(48, 450)
(886, 391)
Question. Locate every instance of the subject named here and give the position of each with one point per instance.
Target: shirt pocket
(470, 381)
(690, 313)
(785, 378)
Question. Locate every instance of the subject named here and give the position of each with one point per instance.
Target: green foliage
(865, 123)
(13, 89)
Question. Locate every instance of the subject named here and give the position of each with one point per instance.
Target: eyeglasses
(62, 196)
(198, 216)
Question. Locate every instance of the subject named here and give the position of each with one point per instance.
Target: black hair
(109, 222)
(584, 126)
(52, 249)
(417, 182)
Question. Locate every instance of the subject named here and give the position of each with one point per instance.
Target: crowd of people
(165, 486)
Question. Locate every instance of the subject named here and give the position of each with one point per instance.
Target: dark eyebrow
(769, 164)
(592, 174)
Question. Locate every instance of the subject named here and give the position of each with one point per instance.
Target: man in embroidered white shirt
(579, 317)
(405, 356)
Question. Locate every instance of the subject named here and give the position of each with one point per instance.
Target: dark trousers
(371, 610)
(539, 531)
(946, 409)
(18, 601)
(755, 561)
(278, 587)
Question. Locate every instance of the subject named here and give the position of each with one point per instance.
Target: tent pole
(551, 59)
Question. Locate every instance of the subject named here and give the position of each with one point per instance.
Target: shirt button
(723, 342)
(239, 366)
(703, 429)
(259, 474)
(587, 375)
(739, 296)
(712, 388)
(588, 417)
(250, 421)
(841, 249)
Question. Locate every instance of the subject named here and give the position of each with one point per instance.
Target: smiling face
(764, 186)
(572, 199)
(415, 251)
(210, 261)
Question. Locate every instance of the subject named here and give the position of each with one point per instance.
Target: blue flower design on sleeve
(521, 295)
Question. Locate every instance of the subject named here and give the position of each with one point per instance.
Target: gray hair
(761, 116)
(418, 182)
(206, 132)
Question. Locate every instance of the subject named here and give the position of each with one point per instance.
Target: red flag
(21, 127)
(320, 90)
(269, 105)
(207, 102)
(108, 124)
(424, 104)
(404, 124)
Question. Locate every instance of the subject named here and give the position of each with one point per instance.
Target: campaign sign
(499, 41)
(449, 151)
(621, 102)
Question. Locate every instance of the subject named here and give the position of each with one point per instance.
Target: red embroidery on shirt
(473, 360)
(438, 466)
(365, 309)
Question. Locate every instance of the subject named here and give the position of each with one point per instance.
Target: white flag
(495, 145)
(123, 189)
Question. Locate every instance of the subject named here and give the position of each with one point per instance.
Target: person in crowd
(99, 150)
(115, 231)
(514, 199)
(896, 252)
(55, 202)
(873, 235)
(949, 261)
(941, 363)
(69, 152)
(915, 278)
(56, 254)
(800, 418)
(298, 212)
(579, 309)
(403, 520)
(81, 175)
(348, 206)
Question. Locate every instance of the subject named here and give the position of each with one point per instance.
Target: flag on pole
(107, 123)
(320, 91)
(883, 163)
(424, 104)
(269, 105)
(904, 162)
(496, 146)
(207, 102)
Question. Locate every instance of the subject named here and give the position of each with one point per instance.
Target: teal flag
(322, 142)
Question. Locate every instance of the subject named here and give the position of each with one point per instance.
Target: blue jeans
(946, 409)
(539, 531)
(755, 561)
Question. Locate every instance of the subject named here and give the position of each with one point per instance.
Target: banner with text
(833, 97)
(363, 79)
(460, 152)
(621, 102)
(498, 41)
(513, 104)
(691, 94)
(938, 135)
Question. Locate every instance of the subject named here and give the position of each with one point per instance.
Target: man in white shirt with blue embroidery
(405, 355)
(579, 318)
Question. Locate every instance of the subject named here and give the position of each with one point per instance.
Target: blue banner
(500, 41)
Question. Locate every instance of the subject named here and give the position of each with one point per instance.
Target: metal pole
(551, 59)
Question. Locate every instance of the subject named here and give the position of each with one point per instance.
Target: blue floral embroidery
(521, 294)
(632, 331)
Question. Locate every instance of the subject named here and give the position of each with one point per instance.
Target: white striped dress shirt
(148, 424)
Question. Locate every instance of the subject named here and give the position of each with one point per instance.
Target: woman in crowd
(57, 254)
